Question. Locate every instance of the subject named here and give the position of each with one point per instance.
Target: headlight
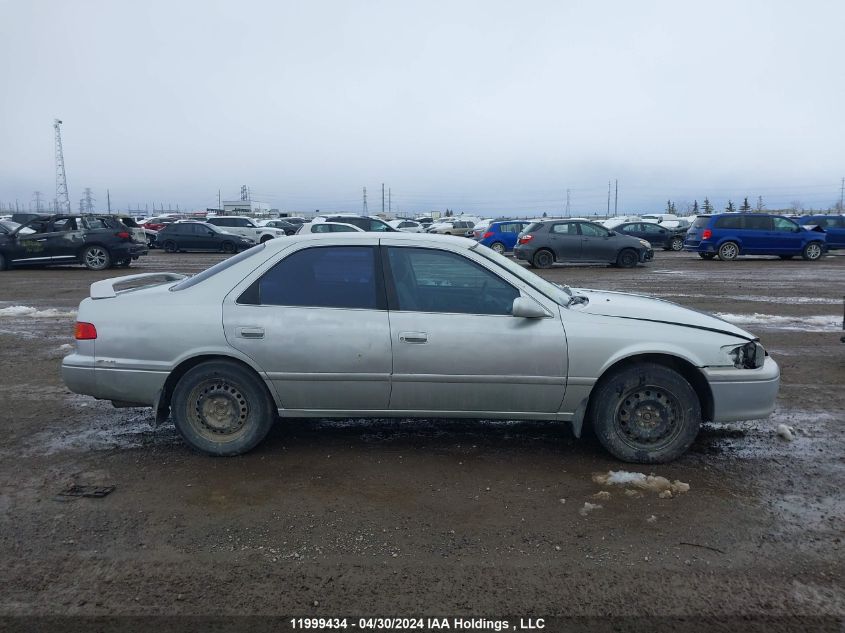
(751, 355)
(646, 244)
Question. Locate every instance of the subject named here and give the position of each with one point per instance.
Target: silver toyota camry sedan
(405, 325)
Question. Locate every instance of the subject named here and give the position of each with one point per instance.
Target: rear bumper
(125, 385)
(130, 249)
(696, 246)
(744, 394)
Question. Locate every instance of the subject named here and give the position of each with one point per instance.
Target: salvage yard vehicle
(96, 241)
(655, 234)
(729, 235)
(363, 222)
(833, 225)
(327, 227)
(452, 227)
(544, 243)
(245, 227)
(502, 236)
(373, 325)
(200, 236)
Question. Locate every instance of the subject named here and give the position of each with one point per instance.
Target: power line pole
(218, 199)
(608, 198)
(616, 199)
(842, 196)
(389, 201)
(365, 201)
(568, 208)
(382, 198)
(61, 176)
(108, 200)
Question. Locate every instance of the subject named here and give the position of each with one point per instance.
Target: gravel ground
(429, 517)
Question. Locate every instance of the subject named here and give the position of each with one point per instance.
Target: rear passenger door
(757, 235)
(565, 240)
(316, 322)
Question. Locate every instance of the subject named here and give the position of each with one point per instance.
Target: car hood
(640, 307)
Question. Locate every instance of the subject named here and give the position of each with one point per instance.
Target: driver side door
(456, 346)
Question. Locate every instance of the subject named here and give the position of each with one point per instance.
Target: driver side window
(428, 280)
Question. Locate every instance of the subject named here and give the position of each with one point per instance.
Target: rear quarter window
(534, 228)
(727, 222)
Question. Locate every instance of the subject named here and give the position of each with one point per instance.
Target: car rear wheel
(645, 413)
(543, 259)
(170, 246)
(498, 247)
(228, 247)
(812, 251)
(707, 255)
(627, 258)
(221, 408)
(677, 244)
(96, 258)
(728, 251)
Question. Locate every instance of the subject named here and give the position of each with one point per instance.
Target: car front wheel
(170, 246)
(645, 413)
(812, 251)
(96, 258)
(627, 258)
(221, 408)
(228, 247)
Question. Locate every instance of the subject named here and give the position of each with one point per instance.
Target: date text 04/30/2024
(419, 624)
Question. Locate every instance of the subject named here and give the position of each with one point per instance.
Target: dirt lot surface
(428, 517)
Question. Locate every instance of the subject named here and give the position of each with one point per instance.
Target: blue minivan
(833, 225)
(501, 236)
(728, 235)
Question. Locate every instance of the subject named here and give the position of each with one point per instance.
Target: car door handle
(251, 332)
(413, 337)
(43, 239)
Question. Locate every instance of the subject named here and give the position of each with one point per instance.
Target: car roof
(422, 238)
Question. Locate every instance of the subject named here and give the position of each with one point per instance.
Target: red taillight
(706, 234)
(526, 238)
(486, 235)
(123, 235)
(85, 331)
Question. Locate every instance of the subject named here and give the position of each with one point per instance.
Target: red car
(156, 224)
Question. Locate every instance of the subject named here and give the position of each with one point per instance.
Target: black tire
(3, 264)
(677, 244)
(728, 251)
(222, 408)
(170, 246)
(812, 251)
(627, 258)
(543, 258)
(707, 255)
(645, 413)
(96, 257)
(228, 247)
(266, 238)
(786, 256)
(498, 247)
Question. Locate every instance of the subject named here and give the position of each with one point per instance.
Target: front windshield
(554, 292)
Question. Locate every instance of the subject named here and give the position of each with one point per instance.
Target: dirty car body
(369, 325)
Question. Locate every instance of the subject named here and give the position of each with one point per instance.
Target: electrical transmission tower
(89, 200)
(38, 195)
(365, 201)
(62, 198)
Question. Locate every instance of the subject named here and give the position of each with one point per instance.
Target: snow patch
(589, 507)
(27, 311)
(785, 432)
(641, 481)
(817, 323)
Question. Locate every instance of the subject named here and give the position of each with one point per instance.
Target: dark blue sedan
(833, 225)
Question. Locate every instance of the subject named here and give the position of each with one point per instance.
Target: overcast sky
(488, 107)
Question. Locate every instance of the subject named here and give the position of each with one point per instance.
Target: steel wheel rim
(218, 410)
(648, 417)
(814, 251)
(95, 257)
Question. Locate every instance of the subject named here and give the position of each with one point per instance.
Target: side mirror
(527, 309)
(611, 233)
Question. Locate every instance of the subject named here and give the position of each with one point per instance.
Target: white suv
(240, 225)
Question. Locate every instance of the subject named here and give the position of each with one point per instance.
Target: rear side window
(727, 222)
(218, 267)
(758, 223)
(567, 228)
(701, 222)
(533, 228)
(322, 277)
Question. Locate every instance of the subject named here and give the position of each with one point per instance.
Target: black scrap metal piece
(79, 490)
